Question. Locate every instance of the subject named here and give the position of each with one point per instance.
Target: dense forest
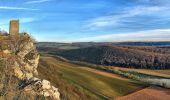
(123, 56)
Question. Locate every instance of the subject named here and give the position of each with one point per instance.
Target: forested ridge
(123, 56)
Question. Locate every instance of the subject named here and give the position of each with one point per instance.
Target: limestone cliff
(18, 65)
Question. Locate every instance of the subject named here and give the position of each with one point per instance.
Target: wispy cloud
(149, 35)
(15, 8)
(4, 23)
(22, 20)
(127, 15)
(37, 1)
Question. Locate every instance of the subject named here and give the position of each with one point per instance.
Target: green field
(102, 86)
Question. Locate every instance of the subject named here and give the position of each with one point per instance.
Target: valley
(98, 85)
(100, 71)
(85, 50)
(140, 57)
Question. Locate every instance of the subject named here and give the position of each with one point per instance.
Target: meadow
(98, 85)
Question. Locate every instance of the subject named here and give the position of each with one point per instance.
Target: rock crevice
(20, 60)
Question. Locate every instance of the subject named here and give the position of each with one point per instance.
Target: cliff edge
(19, 60)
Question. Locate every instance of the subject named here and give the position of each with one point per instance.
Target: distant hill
(165, 43)
(124, 56)
(88, 44)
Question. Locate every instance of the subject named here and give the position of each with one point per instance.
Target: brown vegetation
(150, 93)
(9, 83)
(160, 73)
(130, 57)
(18, 71)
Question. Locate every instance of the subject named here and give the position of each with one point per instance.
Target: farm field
(96, 83)
(150, 93)
(161, 73)
(167, 72)
(104, 73)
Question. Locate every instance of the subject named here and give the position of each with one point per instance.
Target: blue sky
(89, 20)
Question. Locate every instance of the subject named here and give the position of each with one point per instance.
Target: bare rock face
(43, 87)
(21, 60)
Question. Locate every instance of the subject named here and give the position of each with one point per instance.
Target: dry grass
(150, 93)
(167, 72)
(160, 73)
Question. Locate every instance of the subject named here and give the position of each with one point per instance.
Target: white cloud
(126, 15)
(15, 8)
(149, 35)
(37, 1)
(22, 20)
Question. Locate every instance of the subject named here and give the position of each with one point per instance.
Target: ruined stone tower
(14, 27)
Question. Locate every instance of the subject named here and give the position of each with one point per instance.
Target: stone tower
(14, 27)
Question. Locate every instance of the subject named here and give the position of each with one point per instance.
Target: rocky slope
(18, 65)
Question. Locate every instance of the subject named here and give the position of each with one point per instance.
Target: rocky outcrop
(20, 58)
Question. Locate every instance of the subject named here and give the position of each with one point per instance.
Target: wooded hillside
(123, 56)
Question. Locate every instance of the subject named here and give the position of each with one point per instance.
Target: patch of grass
(101, 86)
(68, 90)
(167, 72)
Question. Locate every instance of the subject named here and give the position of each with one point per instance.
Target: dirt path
(103, 73)
(150, 93)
